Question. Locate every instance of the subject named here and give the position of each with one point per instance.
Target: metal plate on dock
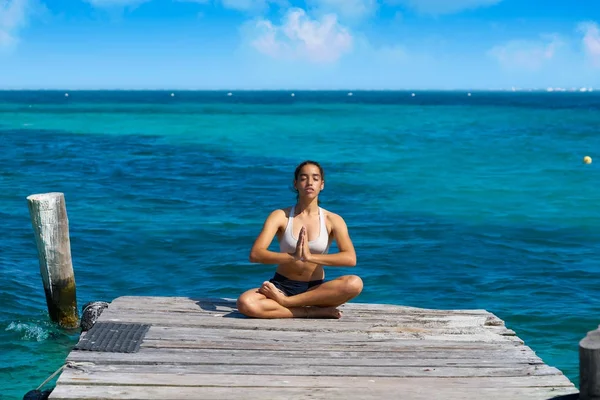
(112, 337)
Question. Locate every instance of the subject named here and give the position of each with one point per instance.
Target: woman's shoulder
(333, 217)
(281, 212)
(277, 218)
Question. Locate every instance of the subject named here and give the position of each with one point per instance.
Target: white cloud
(526, 54)
(591, 41)
(14, 16)
(301, 37)
(345, 9)
(437, 7)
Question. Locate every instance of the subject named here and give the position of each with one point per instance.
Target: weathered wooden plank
(406, 346)
(100, 375)
(347, 309)
(228, 393)
(149, 356)
(384, 320)
(390, 328)
(394, 372)
(257, 334)
(358, 317)
(321, 336)
(377, 343)
(335, 370)
(494, 355)
(454, 321)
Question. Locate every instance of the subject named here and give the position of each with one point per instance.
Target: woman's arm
(346, 257)
(259, 252)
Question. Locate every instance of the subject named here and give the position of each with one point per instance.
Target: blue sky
(308, 44)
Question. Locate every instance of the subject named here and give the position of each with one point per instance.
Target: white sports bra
(288, 242)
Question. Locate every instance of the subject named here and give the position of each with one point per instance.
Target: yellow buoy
(587, 159)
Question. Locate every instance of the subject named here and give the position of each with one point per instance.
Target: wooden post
(589, 366)
(51, 227)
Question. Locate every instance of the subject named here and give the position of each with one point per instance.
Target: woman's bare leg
(328, 294)
(256, 305)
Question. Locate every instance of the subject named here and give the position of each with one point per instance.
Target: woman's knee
(353, 285)
(247, 306)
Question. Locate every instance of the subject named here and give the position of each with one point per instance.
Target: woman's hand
(302, 252)
(299, 253)
(306, 254)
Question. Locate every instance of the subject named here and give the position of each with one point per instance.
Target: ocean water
(452, 201)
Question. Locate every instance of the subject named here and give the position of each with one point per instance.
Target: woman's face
(310, 182)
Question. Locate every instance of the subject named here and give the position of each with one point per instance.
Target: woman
(305, 232)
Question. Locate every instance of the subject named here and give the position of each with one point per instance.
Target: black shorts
(291, 287)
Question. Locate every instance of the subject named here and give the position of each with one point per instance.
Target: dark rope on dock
(38, 394)
(42, 395)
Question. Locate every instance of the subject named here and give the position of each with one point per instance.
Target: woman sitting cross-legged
(305, 232)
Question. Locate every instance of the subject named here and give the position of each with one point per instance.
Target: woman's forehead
(310, 169)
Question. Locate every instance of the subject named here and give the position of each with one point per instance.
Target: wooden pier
(205, 349)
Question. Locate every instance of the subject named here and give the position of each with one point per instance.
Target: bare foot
(323, 312)
(269, 290)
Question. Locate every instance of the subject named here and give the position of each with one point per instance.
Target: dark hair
(297, 173)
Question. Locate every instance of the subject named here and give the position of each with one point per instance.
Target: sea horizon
(554, 90)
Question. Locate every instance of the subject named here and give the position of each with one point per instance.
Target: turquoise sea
(452, 201)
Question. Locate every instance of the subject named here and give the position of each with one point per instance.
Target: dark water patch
(193, 110)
